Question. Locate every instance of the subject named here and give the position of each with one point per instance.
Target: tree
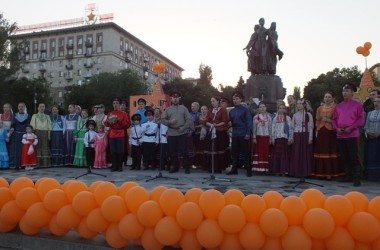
(240, 85)
(205, 75)
(331, 81)
(105, 86)
(9, 51)
(297, 93)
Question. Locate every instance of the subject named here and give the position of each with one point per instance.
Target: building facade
(69, 56)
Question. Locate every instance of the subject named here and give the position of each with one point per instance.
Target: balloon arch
(194, 220)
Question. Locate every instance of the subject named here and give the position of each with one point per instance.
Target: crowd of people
(293, 141)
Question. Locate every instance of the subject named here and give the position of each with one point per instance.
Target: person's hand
(310, 141)
(290, 141)
(172, 121)
(247, 137)
(347, 130)
(148, 125)
(254, 141)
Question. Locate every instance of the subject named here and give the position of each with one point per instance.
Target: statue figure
(262, 50)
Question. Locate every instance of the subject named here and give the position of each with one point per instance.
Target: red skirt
(28, 159)
(260, 157)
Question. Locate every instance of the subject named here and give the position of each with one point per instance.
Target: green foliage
(105, 86)
(240, 85)
(205, 75)
(30, 92)
(297, 93)
(332, 82)
(9, 51)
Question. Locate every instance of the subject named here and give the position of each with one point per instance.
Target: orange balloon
(170, 200)
(251, 236)
(149, 213)
(189, 215)
(230, 241)
(318, 223)
(96, 221)
(26, 228)
(209, 234)
(103, 191)
(55, 199)
(272, 244)
(318, 244)
(211, 202)
(38, 182)
(84, 231)
(360, 50)
(27, 197)
(156, 193)
(67, 217)
(11, 213)
(273, 222)
(20, 183)
(6, 227)
(193, 195)
(296, 238)
(367, 45)
(74, 188)
(167, 231)
(149, 241)
(363, 246)
(313, 198)
(37, 215)
(294, 209)
(135, 197)
(253, 206)
(114, 208)
(84, 202)
(373, 207)
(189, 241)
(66, 184)
(366, 53)
(359, 201)
(123, 189)
(130, 228)
(364, 227)
(340, 239)
(55, 229)
(234, 196)
(340, 209)
(5, 196)
(231, 219)
(3, 182)
(94, 185)
(376, 244)
(113, 237)
(46, 185)
(273, 199)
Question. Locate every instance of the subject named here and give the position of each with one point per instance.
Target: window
(27, 57)
(43, 45)
(121, 63)
(79, 73)
(99, 38)
(35, 55)
(79, 51)
(52, 54)
(80, 41)
(34, 75)
(79, 82)
(60, 73)
(121, 53)
(34, 65)
(70, 42)
(60, 93)
(60, 63)
(61, 53)
(52, 44)
(35, 46)
(61, 42)
(80, 62)
(98, 49)
(52, 74)
(97, 71)
(99, 60)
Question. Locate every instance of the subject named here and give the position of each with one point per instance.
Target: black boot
(133, 167)
(249, 172)
(173, 170)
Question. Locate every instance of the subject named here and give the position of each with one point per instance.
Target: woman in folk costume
(201, 131)
(56, 138)
(262, 126)
(281, 125)
(69, 125)
(42, 128)
(302, 142)
(326, 160)
(4, 138)
(6, 116)
(29, 155)
(18, 127)
(80, 130)
(217, 121)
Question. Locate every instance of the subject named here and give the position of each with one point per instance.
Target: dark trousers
(149, 153)
(348, 150)
(90, 156)
(240, 152)
(136, 156)
(117, 152)
(178, 144)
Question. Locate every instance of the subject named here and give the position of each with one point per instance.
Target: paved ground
(258, 184)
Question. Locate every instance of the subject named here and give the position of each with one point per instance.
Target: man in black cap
(178, 120)
(117, 120)
(242, 124)
(347, 119)
(149, 140)
(135, 142)
(89, 139)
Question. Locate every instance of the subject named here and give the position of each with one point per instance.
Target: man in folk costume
(117, 120)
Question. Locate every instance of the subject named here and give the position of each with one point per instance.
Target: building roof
(94, 26)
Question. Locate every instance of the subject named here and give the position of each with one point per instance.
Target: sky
(315, 36)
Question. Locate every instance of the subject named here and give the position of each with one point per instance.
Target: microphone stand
(212, 176)
(159, 175)
(303, 130)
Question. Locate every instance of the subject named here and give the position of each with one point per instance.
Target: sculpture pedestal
(267, 88)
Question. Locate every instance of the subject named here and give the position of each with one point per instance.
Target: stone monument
(262, 52)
